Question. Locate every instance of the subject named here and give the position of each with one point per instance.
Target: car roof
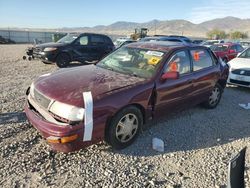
(226, 44)
(164, 46)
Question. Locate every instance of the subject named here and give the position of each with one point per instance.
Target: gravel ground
(198, 142)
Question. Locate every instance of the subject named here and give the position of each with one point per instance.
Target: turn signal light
(63, 140)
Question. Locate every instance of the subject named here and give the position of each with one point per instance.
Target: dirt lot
(198, 142)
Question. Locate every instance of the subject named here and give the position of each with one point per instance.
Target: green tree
(216, 34)
(238, 35)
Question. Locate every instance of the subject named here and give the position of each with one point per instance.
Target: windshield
(245, 54)
(219, 48)
(134, 61)
(68, 38)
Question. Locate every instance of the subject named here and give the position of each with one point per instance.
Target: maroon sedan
(112, 100)
(227, 51)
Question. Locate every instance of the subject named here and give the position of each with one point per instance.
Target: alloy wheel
(127, 127)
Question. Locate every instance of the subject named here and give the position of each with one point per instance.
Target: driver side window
(179, 62)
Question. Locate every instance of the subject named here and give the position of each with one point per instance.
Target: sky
(89, 13)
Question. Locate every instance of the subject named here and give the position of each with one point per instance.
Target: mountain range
(173, 27)
(167, 27)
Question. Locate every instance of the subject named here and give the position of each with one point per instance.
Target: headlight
(49, 49)
(66, 111)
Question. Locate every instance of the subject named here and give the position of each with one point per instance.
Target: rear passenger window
(201, 59)
(97, 40)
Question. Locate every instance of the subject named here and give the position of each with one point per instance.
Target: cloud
(219, 9)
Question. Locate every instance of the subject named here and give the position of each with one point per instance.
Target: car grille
(240, 82)
(41, 99)
(237, 71)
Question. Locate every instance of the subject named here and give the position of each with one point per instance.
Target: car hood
(50, 44)
(240, 63)
(67, 85)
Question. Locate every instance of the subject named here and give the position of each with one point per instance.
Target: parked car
(227, 51)
(123, 41)
(112, 100)
(6, 41)
(245, 44)
(239, 72)
(74, 47)
(171, 38)
(210, 43)
(197, 41)
(149, 39)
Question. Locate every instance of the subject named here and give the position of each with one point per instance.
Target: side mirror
(170, 75)
(232, 51)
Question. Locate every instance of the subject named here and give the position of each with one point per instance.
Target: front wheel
(62, 60)
(214, 97)
(124, 127)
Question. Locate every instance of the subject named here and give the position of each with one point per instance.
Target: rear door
(206, 72)
(97, 47)
(174, 94)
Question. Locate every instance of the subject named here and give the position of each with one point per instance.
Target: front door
(97, 47)
(174, 94)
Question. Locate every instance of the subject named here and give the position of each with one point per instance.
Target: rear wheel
(124, 127)
(62, 60)
(214, 97)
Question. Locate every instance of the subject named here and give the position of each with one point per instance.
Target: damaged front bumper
(60, 136)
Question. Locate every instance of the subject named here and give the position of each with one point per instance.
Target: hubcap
(127, 128)
(214, 97)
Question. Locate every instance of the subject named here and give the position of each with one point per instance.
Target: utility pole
(9, 32)
(155, 26)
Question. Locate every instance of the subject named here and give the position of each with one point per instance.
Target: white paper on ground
(158, 144)
(245, 106)
(88, 116)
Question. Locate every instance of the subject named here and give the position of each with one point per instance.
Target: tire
(63, 60)
(214, 98)
(124, 127)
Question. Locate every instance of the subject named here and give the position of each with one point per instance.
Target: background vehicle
(123, 41)
(74, 47)
(139, 33)
(227, 51)
(171, 38)
(239, 72)
(132, 85)
(245, 44)
(210, 43)
(197, 41)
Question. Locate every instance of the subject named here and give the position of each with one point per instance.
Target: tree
(216, 34)
(238, 35)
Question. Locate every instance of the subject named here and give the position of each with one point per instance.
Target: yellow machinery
(139, 33)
